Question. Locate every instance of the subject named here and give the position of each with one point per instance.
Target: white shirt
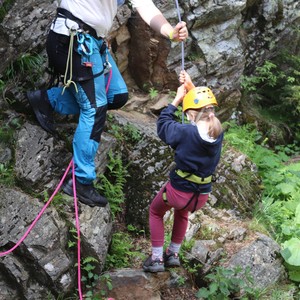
(203, 131)
(99, 14)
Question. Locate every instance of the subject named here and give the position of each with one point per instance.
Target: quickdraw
(68, 82)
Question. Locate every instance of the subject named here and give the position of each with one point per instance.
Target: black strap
(196, 202)
(61, 12)
(188, 203)
(90, 77)
(164, 195)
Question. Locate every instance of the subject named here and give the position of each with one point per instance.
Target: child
(197, 152)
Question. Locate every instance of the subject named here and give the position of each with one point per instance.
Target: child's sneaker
(171, 259)
(153, 266)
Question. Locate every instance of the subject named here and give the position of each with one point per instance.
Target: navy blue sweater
(192, 153)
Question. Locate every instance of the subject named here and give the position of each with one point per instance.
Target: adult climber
(77, 52)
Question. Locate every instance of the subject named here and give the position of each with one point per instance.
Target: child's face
(208, 108)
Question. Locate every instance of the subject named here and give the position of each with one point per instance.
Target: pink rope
(108, 81)
(39, 215)
(78, 233)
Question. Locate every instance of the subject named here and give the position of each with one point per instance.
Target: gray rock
(43, 250)
(263, 260)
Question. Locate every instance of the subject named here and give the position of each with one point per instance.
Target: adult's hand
(180, 32)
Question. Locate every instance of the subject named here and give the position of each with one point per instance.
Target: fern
(113, 184)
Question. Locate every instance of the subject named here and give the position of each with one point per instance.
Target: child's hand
(179, 95)
(184, 78)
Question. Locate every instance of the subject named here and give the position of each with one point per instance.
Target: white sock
(157, 252)
(174, 247)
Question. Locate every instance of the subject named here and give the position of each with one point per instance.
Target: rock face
(227, 39)
(43, 264)
(262, 254)
(42, 251)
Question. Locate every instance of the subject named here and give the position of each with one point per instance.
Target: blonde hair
(214, 124)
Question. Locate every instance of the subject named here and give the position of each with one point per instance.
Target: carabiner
(85, 42)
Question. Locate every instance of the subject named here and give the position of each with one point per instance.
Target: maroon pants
(177, 200)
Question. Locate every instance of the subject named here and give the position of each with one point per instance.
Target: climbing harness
(64, 13)
(194, 178)
(85, 49)
(194, 196)
(84, 35)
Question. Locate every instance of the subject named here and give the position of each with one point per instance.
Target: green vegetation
(113, 183)
(2, 86)
(227, 284)
(121, 251)
(135, 231)
(7, 175)
(27, 65)
(186, 247)
(276, 87)
(4, 8)
(127, 133)
(279, 209)
(153, 93)
(90, 279)
(59, 201)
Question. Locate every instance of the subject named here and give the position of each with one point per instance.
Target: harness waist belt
(193, 178)
(65, 13)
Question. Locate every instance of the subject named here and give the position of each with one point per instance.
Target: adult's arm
(156, 20)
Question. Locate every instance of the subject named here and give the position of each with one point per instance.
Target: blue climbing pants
(90, 96)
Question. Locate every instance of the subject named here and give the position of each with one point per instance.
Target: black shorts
(57, 47)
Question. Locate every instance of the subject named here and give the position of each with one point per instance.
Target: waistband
(194, 178)
(61, 12)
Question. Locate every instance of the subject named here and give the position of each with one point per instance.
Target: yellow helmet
(198, 97)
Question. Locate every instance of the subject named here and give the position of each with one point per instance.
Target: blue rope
(182, 52)
(182, 43)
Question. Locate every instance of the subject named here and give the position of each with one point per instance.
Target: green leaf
(213, 287)
(224, 289)
(203, 293)
(292, 204)
(286, 230)
(294, 275)
(291, 251)
(109, 286)
(297, 215)
(285, 188)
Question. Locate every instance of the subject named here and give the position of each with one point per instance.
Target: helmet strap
(198, 117)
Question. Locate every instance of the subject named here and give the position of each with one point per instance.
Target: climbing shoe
(86, 193)
(171, 259)
(42, 109)
(153, 266)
